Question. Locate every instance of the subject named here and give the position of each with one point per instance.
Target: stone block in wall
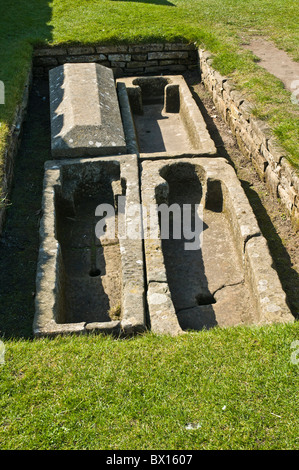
(50, 51)
(237, 97)
(80, 50)
(166, 62)
(260, 164)
(119, 57)
(289, 175)
(287, 197)
(115, 64)
(136, 64)
(167, 55)
(76, 59)
(145, 48)
(235, 112)
(111, 49)
(246, 109)
(245, 142)
(139, 57)
(261, 130)
(134, 71)
(179, 47)
(166, 68)
(272, 181)
(228, 86)
(275, 150)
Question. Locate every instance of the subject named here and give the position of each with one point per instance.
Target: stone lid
(84, 111)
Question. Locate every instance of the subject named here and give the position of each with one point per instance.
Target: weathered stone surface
(179, 47)
(113, 327)
(81, 276)
(182, 129)
(269, 297)
(78, 59)
(53, 51)
(167, 55)
(139, 57)
(85, 115)
(145, 47)
(219, 282)
(162, 314)
(112, 49)
(119, 57)
(80, 50)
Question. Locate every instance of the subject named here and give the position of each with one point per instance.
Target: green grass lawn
(237, 386)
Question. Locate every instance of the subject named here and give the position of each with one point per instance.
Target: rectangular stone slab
(84, 111)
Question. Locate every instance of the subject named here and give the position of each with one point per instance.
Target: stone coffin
(164, 119)
(228, 281)
(89, 280)
(84, 112)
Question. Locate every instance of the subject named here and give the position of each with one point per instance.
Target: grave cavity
(228, 281)
(165, 117)
(87, 282)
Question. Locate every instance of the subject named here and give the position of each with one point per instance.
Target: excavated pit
(86, 281)
(92, 286)
(225, 276)
(165, 117)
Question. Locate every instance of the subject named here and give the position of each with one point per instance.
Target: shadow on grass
(154, 2)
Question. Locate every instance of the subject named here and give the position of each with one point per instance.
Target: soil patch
(277, 62)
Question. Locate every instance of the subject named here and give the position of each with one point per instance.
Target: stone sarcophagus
(208, 263)
(90, 277)
(84, 109)
(147, 228)
(166, 118)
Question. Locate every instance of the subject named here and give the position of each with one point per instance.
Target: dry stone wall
(254, 136)
(123, 59)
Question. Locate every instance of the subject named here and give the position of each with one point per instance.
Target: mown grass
(237, 387)
(218, 25)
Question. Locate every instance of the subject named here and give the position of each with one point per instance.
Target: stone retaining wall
(123, 59)
(254, 136)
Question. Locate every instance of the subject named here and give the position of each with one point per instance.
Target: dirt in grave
(19, 243)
